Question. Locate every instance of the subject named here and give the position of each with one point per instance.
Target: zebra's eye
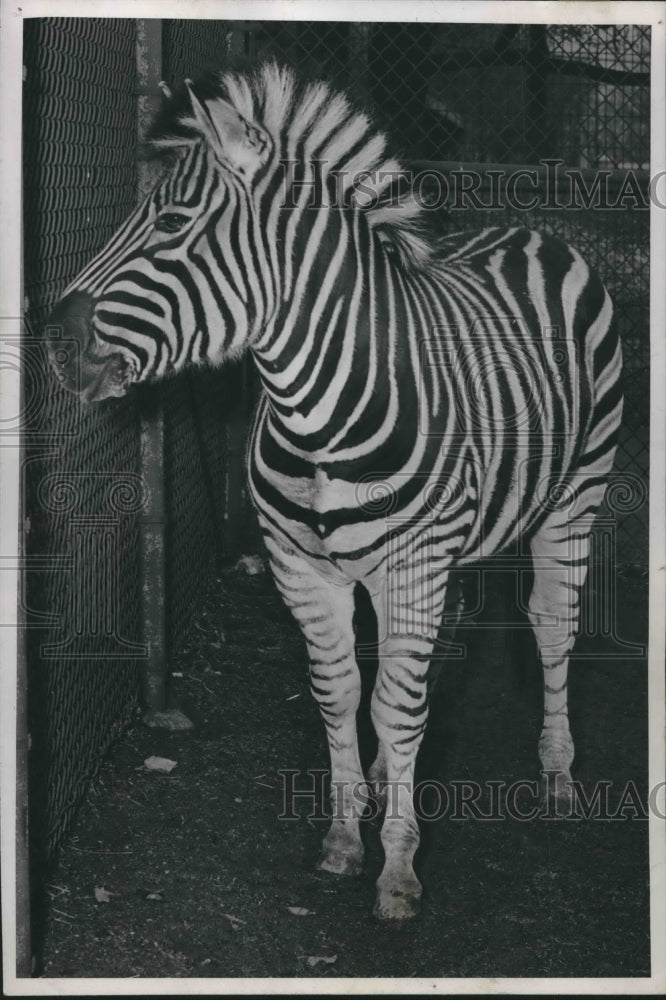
(171, 222)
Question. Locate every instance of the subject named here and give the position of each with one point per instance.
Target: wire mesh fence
(476, 98)
(83, 486)
(483, 92)
(80, 473)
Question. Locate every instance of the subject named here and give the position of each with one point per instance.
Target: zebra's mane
(313, 116)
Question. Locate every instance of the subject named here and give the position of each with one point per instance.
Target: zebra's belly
(368, 549)
(338, 557)
(364, 551)
(358, 530)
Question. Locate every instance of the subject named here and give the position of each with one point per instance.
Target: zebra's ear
(237, 143)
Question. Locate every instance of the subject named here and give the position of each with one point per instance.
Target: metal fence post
(152, 531)
(155, 668)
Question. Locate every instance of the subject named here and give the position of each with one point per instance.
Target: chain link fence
(83, 484)
(471, 100)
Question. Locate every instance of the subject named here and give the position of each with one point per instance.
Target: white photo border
(11, 308)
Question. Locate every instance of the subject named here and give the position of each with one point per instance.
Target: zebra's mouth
(115, 379)
(104, 376)
(108, 377)
(83, 363)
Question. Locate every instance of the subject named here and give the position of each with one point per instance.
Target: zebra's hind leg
(324, 612)
(560, 550)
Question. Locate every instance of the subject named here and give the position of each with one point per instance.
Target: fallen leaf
(252, 565)
(236, 922)
(161, 764)
(300, 911)
(316, 959)
(102, 895)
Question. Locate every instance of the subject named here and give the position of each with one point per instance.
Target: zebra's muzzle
(82, 364)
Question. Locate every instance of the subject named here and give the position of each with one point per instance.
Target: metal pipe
(152, 528)
(153, 516)
(153, 522)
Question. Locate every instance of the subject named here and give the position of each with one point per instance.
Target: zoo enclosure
(474, 98)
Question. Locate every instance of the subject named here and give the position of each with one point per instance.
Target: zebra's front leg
(324, 612)
(408, 618)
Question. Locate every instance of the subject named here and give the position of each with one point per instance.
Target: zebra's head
(212, 260)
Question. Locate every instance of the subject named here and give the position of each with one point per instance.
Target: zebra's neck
(328, 359)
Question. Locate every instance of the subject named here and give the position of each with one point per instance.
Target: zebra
(428, 400)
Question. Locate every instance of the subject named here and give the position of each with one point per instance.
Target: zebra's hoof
(396, 905)
(341, 864)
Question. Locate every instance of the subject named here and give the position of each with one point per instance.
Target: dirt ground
(193, 873)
